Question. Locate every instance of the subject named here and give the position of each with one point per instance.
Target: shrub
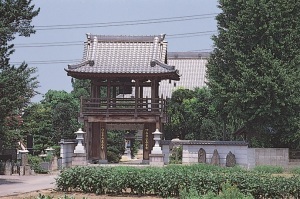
(176, 156)
(174, 180)
(268, 169)
(296, 170)
(115, 146)
(35, 164)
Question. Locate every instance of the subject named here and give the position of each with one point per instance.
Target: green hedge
(170, 180)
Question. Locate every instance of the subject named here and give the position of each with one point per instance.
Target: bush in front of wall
(168, 181)
(268, 169)
(35, 164)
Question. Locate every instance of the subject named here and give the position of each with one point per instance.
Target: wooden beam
(123, 119)
(132, 84)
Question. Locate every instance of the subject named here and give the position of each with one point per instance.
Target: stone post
(156, 157)
(24, 168)
(79, 156)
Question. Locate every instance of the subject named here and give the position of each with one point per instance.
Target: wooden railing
(123, 106)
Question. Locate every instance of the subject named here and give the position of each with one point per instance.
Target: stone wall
(66, 152)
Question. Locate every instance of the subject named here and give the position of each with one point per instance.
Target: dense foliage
(17, 83)
(171, 180)
(254, 72)
(54, 118)
(115, 146)
(193, 115)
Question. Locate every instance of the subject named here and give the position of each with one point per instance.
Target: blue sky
(63, 12)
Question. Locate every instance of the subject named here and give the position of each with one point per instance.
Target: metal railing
(123, 106)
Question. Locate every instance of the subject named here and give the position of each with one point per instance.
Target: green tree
(180, 121)
(54, 118)
(15, 18)
(193, 115)
(81, 88)
(115, 145)
(64, 113)
(17, 82)
(254, 72)
(38, 122)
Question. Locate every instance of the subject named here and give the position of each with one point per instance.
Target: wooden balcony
(132, 107)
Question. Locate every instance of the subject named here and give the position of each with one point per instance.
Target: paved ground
(15, 184)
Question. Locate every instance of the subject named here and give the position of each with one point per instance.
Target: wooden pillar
(154, 95)
(87, 138)
(98, 142)
(94, 153)
(103, 143)
(148, 142)
(137, 95)
(108, 88)
(95, 91)
(141, 95)
(114, 95)
(141, 92)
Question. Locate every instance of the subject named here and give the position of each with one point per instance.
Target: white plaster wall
(190, 153)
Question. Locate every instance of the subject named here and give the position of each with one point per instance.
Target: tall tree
(54, 118)
(81, 88)
(254, 72)
(15, 18)
(17, 82)
(193, 115)
(64, 114)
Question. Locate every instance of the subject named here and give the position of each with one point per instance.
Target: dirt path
(52, 193)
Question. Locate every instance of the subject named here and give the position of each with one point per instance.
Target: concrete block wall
(268, 156)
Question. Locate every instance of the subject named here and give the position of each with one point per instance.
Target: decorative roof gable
(124, 55)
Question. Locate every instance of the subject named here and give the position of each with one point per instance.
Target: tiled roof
(192, 70)
(123, 54)
(188, 55)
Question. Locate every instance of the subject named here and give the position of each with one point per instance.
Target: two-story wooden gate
(129, 69)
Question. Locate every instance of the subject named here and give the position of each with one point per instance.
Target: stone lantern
(79, 148)
(156, 157)
(49, 151)
(156, 149)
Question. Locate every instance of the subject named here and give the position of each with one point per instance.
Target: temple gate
(129, 69)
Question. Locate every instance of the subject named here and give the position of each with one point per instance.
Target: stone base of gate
(156, 160)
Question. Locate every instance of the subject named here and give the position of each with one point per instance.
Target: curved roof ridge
(182, 55)
(125, 38)
(83, 63)
(155, 62)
